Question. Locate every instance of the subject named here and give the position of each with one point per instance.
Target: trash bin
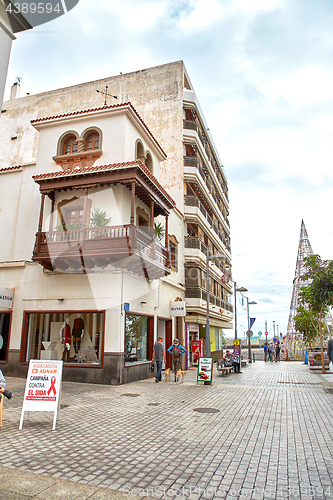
(314, 358)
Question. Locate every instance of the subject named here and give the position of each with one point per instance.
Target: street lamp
(248, 327)
(219, 257)
(241, 289)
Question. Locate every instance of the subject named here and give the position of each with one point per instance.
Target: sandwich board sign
(42, 389)
(205, 370)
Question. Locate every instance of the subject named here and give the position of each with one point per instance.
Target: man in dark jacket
(158, 356)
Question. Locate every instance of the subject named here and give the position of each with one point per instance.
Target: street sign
(260, 334)
(249, 333)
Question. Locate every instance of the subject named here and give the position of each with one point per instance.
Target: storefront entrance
(4, 335)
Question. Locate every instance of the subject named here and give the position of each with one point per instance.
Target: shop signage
(178, 308)
(193, 327)
(6, 298)
(205, 370)
(237, 347)
(197, 348)
(42, 389)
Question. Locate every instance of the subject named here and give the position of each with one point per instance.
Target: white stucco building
(109, 213)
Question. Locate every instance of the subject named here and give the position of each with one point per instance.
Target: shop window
(70, 145)
(71, 336)
(4, 335)
(138, 338)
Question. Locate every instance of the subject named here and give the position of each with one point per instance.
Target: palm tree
(98, 218)
(158, 231)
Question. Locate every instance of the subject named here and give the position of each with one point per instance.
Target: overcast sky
(263, 73)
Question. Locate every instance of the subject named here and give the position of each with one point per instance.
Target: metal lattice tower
(304, 250)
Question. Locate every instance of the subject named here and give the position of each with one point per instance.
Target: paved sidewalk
(264, 433)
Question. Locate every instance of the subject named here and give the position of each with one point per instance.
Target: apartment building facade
(110, 210)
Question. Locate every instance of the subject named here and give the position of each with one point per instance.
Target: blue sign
(252, 320)
(126, 306)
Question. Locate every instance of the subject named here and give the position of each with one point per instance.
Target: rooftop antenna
(106, 94)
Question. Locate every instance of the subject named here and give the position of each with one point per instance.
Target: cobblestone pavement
(269, 435)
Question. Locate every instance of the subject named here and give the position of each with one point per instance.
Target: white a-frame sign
(42, 389)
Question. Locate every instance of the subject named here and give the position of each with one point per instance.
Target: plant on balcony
(98, 218)
(66, 227)
(159, 231)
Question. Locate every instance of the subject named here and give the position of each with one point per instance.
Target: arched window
(149, 162)
(140, 152)
(70, 145)
(92, 141)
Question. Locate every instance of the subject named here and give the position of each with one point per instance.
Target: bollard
(254, 358)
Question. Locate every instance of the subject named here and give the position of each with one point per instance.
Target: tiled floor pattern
(272, 437)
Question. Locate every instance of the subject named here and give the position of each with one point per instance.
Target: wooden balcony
(80, 250)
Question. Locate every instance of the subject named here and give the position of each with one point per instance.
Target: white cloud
(261, 69)
(203, 13)
(310, 84)
(258, 5)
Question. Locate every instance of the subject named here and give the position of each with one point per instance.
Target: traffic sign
(249, 333)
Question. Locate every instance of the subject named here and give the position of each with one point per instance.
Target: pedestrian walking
(271, 352)
(265, 351)
(330, 349)
(158, 356)
(176, 350)
(277, 352)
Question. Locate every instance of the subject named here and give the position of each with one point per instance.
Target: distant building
(108, 213)
(10, 23)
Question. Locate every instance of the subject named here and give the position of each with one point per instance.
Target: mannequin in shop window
(77, 332)
(65, 333)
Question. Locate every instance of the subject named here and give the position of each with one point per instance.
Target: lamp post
(248, 327)
(217, 256)
(241, 289)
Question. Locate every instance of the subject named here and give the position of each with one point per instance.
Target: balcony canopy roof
(147, 187)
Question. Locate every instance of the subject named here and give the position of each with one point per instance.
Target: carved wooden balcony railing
(128, 247)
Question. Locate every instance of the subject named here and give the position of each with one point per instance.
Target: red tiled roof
(114, 106)
(7, 169)
(103, 168)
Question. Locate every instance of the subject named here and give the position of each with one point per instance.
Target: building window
(70, 145)
(92, 141)
(139, 151)
(149, 162)
(71, 336)
(138, 338)
(73, 216)
(173, 250)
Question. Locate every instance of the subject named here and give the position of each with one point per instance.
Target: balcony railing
(200, 293)
(128, 247)
(192, 125)
(192, 161)
(197, 243)
(193, 201)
